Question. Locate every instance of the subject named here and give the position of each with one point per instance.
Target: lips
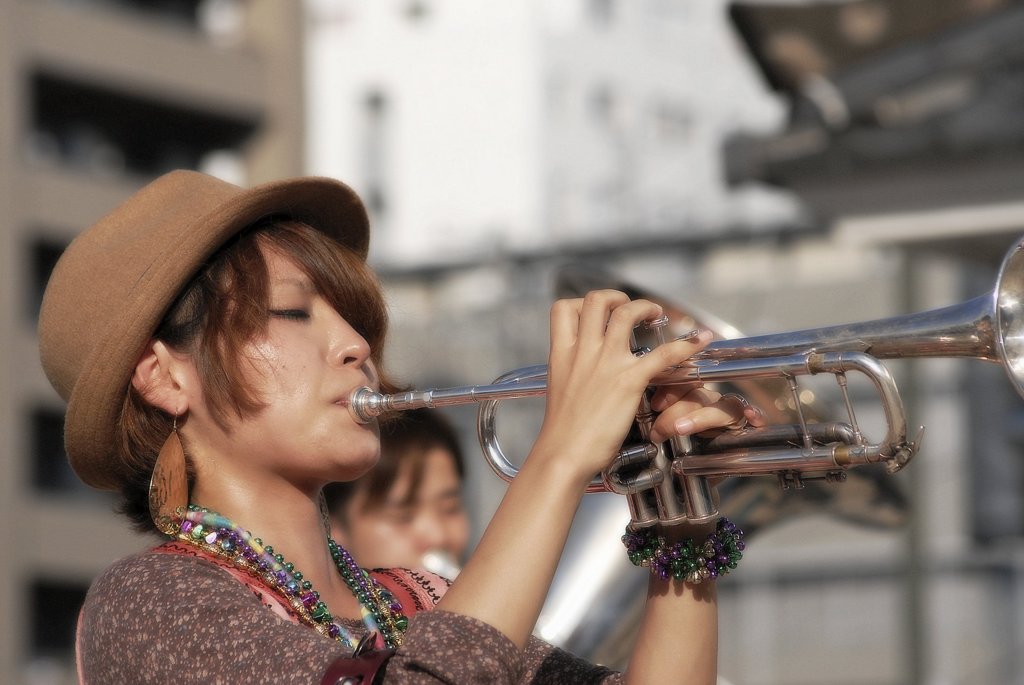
(346, 399)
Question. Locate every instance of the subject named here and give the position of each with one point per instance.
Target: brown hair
(224, 307)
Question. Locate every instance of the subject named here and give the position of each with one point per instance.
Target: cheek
(373, 380)
(258, 363)
(364, 533)
(276, 366)
(384, 543)
(460, 528)
(377, 527)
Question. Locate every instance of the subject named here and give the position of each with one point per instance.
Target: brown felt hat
(114, 283)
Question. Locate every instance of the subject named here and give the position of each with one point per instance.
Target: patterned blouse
(163, 618)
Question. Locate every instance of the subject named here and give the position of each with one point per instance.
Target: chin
(357, 465)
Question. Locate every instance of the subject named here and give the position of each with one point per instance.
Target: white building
(495, 142)
(473, 127)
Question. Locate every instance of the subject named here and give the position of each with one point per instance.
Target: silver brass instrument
(668, 483)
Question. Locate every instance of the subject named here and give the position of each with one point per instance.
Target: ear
(161, 377)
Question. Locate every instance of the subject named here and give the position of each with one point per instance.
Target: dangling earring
(168, 487)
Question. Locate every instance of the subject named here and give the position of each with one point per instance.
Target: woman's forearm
(678, 638)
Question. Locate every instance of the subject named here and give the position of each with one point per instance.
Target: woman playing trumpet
(207, 339)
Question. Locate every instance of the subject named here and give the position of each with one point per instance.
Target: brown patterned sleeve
(452, 648)
(539, 664)
(544, 664)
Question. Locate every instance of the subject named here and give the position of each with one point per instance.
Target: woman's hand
(689, 410)
(595, 382)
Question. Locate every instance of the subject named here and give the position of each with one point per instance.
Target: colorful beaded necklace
(218, 535)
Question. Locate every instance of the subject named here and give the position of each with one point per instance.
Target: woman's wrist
(688, 559)
(558, 468)
(696, 531)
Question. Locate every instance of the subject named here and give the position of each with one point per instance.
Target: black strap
(363, 667)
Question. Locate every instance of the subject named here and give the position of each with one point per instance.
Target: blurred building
(905, 137)
(494, 140)
(780, 165)
(641, 140)
(96, 98)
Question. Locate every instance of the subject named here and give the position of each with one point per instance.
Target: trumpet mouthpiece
(365, 404)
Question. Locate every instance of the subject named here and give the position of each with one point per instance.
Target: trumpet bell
(1008, 310)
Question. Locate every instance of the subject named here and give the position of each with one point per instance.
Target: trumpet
(668, 484)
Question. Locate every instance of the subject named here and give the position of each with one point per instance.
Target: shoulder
(153, 583)
(146, 611)
(159, 573)
(414, 590)
(144, 570)
(143, 596)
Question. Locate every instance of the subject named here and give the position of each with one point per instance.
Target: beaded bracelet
(687, 560)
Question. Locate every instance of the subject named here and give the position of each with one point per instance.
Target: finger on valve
(702, 410)
(749, 414)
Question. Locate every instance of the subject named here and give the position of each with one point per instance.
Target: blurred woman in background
(408, 512)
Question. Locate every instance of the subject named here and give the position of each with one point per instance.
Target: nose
(347, 346)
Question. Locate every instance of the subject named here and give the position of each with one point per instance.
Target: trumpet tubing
(667, 483)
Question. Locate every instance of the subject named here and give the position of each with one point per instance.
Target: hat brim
(95, 403)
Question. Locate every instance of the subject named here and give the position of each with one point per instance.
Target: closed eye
(293, 314)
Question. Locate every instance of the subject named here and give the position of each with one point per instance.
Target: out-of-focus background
(779, 165)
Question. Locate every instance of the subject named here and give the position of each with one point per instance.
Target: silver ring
(689, 335)
(741, 422)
